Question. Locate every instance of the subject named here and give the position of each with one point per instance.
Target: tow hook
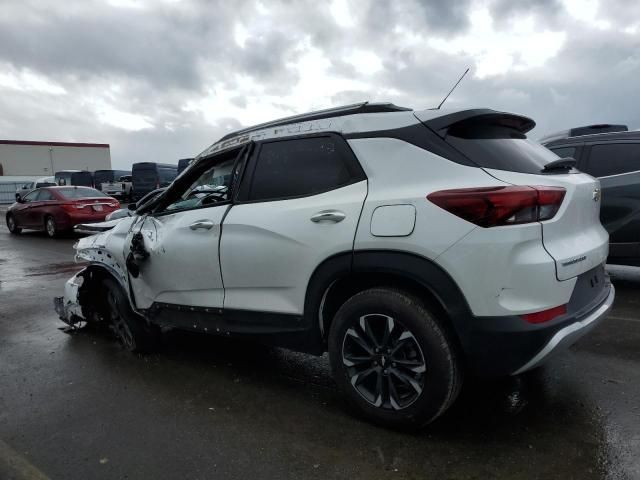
(137, 254)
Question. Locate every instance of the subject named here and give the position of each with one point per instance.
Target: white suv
(411, 245)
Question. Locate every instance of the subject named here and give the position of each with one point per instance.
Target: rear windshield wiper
(566, 163)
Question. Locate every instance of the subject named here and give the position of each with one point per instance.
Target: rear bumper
(568, 335)
(508, 345)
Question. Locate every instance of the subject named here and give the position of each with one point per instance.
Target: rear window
(82, 178)
(73, 193)
(613, 159)
(103, 176)
(498, 147)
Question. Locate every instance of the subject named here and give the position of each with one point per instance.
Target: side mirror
(132, 206)
(19, 199)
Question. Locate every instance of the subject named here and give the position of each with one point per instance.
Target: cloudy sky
(162, 79)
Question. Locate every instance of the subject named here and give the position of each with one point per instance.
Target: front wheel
(394, 362)
(132, 330)
(12, 225)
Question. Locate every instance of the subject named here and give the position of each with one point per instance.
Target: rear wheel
(50, 226)
(391, 358)
(131, 329)
(12, 225)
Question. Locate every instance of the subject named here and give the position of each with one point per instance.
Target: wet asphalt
(80, 407)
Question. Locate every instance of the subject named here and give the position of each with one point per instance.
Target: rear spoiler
(441, 124)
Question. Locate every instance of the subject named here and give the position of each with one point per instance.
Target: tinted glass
(499, 148)
(44, 195)
(82, 178)
(613, 159)
(565, 152)
(166, 175)
(103, 176)
(80, 192)
(293, 168)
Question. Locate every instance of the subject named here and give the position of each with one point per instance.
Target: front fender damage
(82, 301)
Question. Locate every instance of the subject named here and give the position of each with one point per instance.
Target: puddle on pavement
(53, 269)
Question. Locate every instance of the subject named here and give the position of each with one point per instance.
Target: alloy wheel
(384, 361)
(51, 227)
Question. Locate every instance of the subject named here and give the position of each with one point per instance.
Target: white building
(43, 159)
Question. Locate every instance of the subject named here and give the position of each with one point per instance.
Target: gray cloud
(169, 65)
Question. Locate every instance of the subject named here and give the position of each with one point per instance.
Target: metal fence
(8, 191)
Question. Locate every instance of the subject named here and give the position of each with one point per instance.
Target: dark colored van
(183, 163)
(107, 176)
(612, 154)
(80, 178)
(147, 176)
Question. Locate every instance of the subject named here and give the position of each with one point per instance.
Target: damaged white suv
(413, 246)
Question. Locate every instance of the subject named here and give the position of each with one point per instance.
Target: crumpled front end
(104, 254)
(68, 306)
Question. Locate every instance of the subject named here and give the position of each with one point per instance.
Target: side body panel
(270, 249)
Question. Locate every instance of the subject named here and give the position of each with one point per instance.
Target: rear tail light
(72, 207)
(113, 204)
(495, 206)
(545, 315)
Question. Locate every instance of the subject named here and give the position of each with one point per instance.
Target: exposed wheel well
(90, 295)
(346, 287)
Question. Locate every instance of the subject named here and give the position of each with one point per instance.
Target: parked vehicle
(148, 176)
(612, 154)
(183, 163)
(131, 208)
(79, 178)
(101, 177)
(39, 183)
(58, 209)
(120, 189)
(411, 246)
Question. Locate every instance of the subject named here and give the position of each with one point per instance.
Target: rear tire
(12, 225)
(396, 364)
(131, 329)
(50, 226)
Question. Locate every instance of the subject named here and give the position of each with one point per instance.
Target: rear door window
(613, 159)
(302, 167)
(44, 195)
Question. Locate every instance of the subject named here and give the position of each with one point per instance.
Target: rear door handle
(333, 216)
(202, 224)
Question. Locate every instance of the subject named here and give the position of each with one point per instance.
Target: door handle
(333, 216)
(202, 224)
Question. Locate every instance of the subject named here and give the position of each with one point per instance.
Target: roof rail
(586, 130)
(362, 107)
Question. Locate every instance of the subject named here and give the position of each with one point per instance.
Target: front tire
(393, 360)
(131, 329)
(12, 225)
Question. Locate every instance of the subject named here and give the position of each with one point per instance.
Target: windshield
(80, 192)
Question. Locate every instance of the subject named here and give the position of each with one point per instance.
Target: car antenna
(451, 91)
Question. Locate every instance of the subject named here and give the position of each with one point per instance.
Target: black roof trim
(519, 122)
(595, 138)
(363, 107)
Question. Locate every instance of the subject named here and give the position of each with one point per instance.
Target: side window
(31, 196)
(213, 186)
(44, 195)
(613, 158)
(301, 167)
(564, 152)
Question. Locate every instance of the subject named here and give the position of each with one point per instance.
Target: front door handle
(204, 224)
(333, 216)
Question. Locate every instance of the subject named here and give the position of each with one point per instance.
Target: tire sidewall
(15, 228)
(436, 349)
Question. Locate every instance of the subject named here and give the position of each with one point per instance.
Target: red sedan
(59, 209)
